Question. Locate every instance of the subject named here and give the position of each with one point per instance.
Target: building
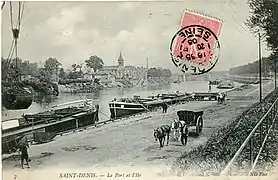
(121, 71)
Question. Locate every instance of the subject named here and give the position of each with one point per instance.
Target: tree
(63, 74)
(43, 75)
(94, 62)
(272, 59)
(74, 67)
(152, 72)
(166, 73)
(9, 68)
(159, 72)
(264, 16)
(51, 64)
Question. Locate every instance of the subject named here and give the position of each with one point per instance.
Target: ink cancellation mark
(195, 47)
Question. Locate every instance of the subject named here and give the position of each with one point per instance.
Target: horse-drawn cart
(192, 119)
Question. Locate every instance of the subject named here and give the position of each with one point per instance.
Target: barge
(44, 126)
(130, 106)
(204, 96)
(225, 85)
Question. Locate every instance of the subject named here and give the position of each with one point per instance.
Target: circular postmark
(195, 49)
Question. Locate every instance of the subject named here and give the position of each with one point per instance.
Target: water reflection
(45, 100)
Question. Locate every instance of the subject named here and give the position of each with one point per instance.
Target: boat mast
(15, 32)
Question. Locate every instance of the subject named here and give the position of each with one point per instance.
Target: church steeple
(121, 60)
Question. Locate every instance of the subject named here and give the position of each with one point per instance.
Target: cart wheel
(199, 125)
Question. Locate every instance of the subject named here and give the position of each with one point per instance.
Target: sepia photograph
(139, 89)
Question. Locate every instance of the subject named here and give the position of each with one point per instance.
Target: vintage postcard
(131, 90)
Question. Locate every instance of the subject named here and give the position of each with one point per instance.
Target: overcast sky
(73, 31)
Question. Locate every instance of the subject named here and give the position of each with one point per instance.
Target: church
(120, 71)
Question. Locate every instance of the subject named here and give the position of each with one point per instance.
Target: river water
(104, 96)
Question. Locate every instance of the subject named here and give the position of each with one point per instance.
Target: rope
(104, 114)
(10, 57)
(22, 11)
(15, 32)
(10, 54)
(141, 104)
(19, 13)
(3, 5)
(11, 13)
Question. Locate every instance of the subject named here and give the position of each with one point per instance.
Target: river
(104, 96)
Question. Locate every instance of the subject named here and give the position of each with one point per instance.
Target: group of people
(162, 133)
(181, 128)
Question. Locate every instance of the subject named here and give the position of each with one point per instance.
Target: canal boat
(129, 106)
(204, 96)
(225, 85)
(45, 125)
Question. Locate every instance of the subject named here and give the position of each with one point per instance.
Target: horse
(176, 126)
(160, 133)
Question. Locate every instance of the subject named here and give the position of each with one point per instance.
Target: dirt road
(128, 145)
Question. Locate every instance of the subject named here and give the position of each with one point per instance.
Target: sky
(71, 32)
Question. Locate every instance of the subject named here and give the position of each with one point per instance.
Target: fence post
(251, 152)
(274, 110)
(261, 134)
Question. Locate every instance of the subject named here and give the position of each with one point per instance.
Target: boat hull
(49, 127)
(118, 110)
(230, 87)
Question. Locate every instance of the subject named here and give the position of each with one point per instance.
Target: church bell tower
(121, 60)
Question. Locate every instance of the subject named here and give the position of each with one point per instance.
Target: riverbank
(210, 158)
(128, 145)
(91, 86)
(36, 86)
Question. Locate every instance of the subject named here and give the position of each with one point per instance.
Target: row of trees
(52, 66)
(12, 68)
(253, 68)
(159, 72)
(263, 20)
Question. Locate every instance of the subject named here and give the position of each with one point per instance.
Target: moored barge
(225, 85)
(42, 127)
(129, 106)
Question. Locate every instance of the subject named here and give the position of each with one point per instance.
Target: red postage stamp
(195, 47)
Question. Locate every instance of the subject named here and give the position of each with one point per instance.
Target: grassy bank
(210, 158)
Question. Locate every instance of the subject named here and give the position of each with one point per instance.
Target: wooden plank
(80, 114)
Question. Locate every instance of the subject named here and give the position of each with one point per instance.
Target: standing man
(166, 107)
(24, 154)
(96, 113)
(209, 86)
(184, 133)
